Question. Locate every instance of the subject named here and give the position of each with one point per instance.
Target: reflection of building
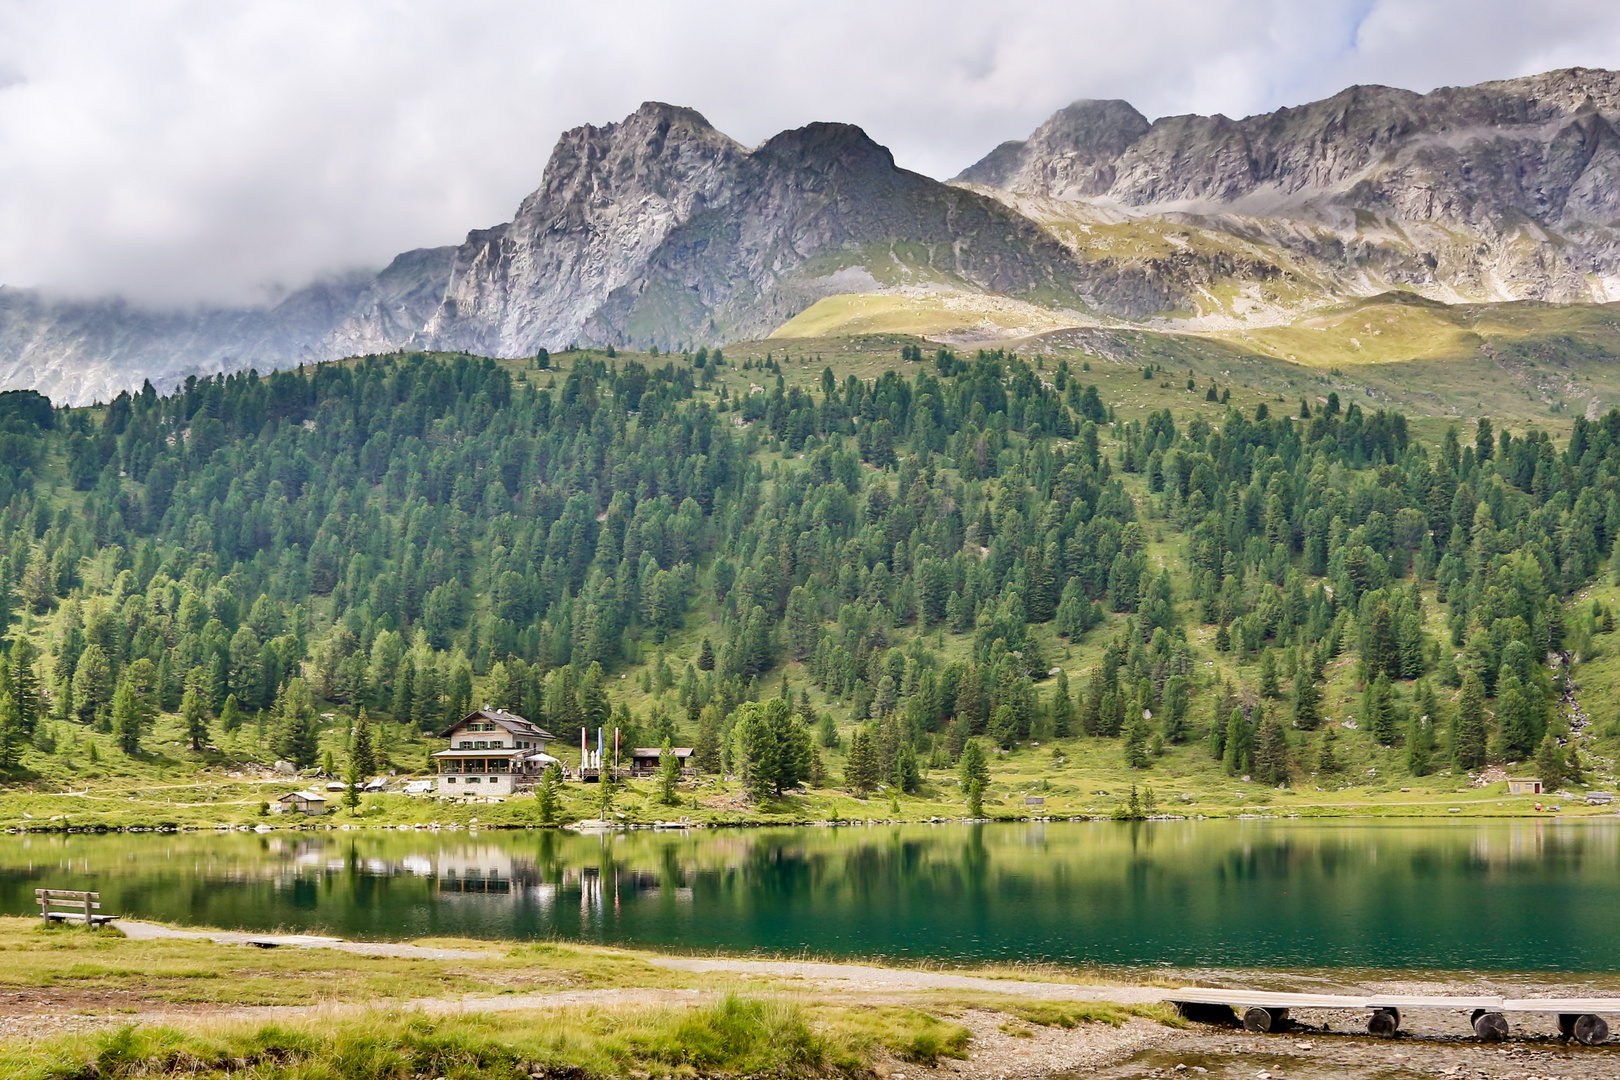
(492, 752)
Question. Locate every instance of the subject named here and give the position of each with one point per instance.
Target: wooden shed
(312, 803)
(1528, 785)
(644, 759)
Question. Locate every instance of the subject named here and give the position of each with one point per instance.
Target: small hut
(1528, 785)
(644, 760)
(312, 803)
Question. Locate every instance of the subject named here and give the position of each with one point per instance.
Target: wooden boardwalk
(1266, 1010)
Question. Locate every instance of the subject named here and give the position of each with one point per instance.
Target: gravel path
(860, 978)
(144, 931)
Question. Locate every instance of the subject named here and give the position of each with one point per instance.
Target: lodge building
(491, 752)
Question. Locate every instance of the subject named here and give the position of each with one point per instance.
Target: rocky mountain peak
(1071, 154)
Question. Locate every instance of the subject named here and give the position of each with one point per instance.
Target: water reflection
(1493, 895)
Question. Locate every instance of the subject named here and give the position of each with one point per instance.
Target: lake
(1497, 895)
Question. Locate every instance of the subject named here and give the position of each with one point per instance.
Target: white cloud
(204, 150)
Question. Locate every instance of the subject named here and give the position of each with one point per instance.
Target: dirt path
(862, 979)
(144, 931)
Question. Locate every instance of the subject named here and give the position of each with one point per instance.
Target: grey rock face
(1506, 190)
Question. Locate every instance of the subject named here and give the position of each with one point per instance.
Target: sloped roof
(511, 722)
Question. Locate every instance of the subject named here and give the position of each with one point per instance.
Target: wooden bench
(70, 905)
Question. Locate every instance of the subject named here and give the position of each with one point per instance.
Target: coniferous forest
(900, 583)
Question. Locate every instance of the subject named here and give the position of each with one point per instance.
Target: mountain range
(659, 229)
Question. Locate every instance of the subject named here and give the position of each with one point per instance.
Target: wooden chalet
(644, 761)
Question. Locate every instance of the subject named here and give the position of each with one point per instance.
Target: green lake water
(1498, 895)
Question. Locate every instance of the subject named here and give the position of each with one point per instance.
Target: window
(449, 779)
(465, 745)
(474, 779)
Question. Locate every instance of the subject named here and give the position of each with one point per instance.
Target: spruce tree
(1378, 710)
(1550, 764)
(973, 770)
(1062, 708)
(126, 718)
(669, 775)
(1136, 740)
(11, 731)
(1307, 699)
(230, 717)
(706, 750)
(1268, 674)
(1327, 759)
(195, 717)
(25, 684)
(1468, 727)
(364, 750)
(1238, 755)
(1271, 755)
(547, 801)
(1419, 745)
(352, 781)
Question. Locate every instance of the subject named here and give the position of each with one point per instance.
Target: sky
(180, 152)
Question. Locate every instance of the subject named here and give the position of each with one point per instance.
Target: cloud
(199, 150)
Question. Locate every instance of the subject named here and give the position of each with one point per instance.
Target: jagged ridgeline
(414, 534)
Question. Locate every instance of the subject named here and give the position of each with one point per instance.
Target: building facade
(491, 752)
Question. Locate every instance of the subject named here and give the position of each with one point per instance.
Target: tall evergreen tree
(1468, 727)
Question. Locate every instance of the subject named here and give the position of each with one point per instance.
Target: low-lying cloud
(198, 151)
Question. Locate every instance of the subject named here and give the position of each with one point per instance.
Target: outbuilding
(312, 803)
(1528, 785)
(644, 760)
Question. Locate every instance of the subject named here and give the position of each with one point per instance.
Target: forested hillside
(965, 552)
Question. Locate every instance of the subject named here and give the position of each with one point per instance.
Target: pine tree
(126, 718)
(860, 768)
(1062, 708)
(1468, 727)
(973, 770)
(25, 684)
(547, 802)
(1550, 764)
(1307, 699)
(1268, 674)
(1239, 753)
(364, 751)
(1378, 710)
(1327, 759)
(706, 750)
(1271, 755)
(11, 731)
(195, 717)
(1004, 727)
(1420, 745)
(907, 775)
(1136, 739)
(352, 781)
(295, 736)
(230, 717)
(669, 775)
(594, 709)
(92, 684)
(1383, 654)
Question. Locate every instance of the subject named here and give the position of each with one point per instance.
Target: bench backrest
(67, 898)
